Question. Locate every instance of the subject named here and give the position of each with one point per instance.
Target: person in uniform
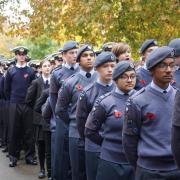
(175, 43)
(16, 83)
(148, 121)
(61, 164)
(108, 111)
(143, 75)
(66, 108)
(33, 93)
(104, 64)
(122, 52)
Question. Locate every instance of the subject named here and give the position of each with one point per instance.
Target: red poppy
(79, 87)
(143, 82)
(26, 75)
(118, 114)
(150, 116)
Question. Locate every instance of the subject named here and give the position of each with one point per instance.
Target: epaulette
(138, 92)
(57, 68)
(99, 99)
(176, 88)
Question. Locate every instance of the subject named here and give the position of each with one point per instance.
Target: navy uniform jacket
(143, 78)
(1, 86)
(147, 129)
(176, 79)
(108, 111)
(17, 80)
(84, 107)
(59, 75)
(67, 100)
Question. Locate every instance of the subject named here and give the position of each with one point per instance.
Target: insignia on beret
(113, 58)
(173, 53)
(89, 47)
(21, 49)
(131, 65)
(155, 42)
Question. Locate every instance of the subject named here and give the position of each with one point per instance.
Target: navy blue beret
(108, 46)
(104, 57)
(20, 49)
(148, 43)
(122, 67)
(70, 45)
(158, 55)
(83, 49)
(175, 43)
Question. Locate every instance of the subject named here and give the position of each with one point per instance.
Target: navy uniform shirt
(17, 80)
(143, 78)
(84, 107)
(108, 111)
(68, 97)
(147, 128)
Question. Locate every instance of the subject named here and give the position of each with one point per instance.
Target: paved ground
(21, 172)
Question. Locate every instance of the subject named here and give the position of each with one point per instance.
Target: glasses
(165, 66)
(126, 78)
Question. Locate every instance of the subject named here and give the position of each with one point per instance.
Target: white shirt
(104, 84)
(84, 72)
(21, 66)
(157, 88)
(75, 66)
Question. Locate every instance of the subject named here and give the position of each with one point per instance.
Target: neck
(86, 69)
(45, 75)
(161, 85)
(105, 81)
(21, 63)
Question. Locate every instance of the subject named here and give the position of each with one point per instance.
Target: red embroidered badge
(26, 75)
(150, 116)
(118, 114)
(143, 82)
(79, 87)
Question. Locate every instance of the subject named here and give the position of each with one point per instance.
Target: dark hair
(43, 61)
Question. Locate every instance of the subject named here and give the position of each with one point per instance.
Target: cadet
(122, 52)
(175, 43)
(61, 162)
(34, 92)
(147, 127)
(66, 108)
(108, 111)
(104, 64)
(143, 75)
(16, 83)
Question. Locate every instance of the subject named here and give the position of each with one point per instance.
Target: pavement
(21, 172)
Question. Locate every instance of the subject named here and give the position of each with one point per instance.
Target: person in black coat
(34, 92)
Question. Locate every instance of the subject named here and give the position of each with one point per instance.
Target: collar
(75, 66)
(157, 88)
(118, 91)
(82, 72)
(21, 66)
(45, 78)
(104, 84)
(145, 67)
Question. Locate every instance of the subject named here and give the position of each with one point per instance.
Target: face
(126, 82)
(105, 71)
(125, 56)
(148, 51)
(70, 56)
(163, 72)
(21, 57)
(87, 60)
(46, 68)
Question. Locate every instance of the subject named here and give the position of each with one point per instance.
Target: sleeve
(94, 122)
(131, 131)
(63, 102)
(176, 113)
(31, 94)
(175, 143)
(40, 101)
(7, 85)
(82, 113)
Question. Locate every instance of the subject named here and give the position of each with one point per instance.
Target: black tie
(72, 68)
(46, 84)
(88, 75)
(126, 94)
(164, 91)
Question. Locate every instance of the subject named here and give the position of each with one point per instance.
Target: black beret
(104, 57)
(148, 43)
(122, 67)
(83, 49)
(20, 49)
(108, 46)
(70, 45)
(158, 55)
(175, 43)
